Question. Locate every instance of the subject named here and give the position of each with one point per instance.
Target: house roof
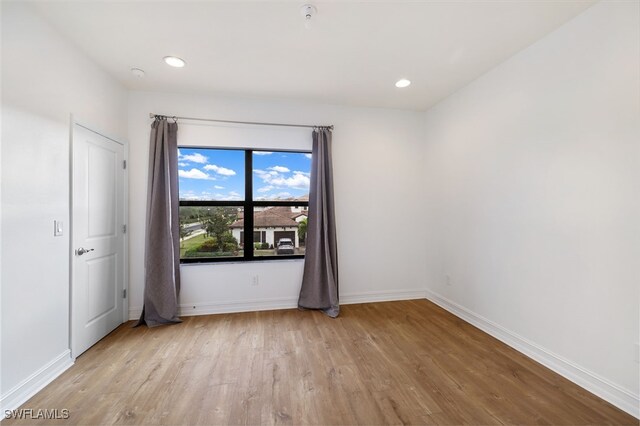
(286, 211)
(274, 217)
(280, 210)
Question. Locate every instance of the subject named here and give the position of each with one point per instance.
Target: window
(242, 204)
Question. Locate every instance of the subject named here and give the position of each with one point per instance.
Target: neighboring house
(272, 224)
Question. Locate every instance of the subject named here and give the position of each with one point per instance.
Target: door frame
(125, 256)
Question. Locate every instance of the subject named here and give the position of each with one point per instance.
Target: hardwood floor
(406, 362)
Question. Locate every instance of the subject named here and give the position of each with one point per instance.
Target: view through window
(242, 204)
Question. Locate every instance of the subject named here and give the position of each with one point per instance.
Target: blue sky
(218, 174)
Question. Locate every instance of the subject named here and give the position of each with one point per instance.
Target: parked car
(285, 246)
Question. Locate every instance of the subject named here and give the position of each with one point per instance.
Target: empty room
(325, 212)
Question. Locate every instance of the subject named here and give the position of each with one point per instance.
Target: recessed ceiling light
(174, 61)
(403, 82)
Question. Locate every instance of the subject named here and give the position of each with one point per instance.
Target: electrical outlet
(254, 280)
(447, 279)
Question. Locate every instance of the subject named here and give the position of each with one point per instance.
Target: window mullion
(248, 204)
(274, 224)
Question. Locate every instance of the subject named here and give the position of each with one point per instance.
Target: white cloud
(192, 196)
(262, 152)
(220, 170)
(308, 156)
(266, 188)
(265, 174)
(232, 196)
(302, 173)
(194, 174)
(299, 180)
(182, 164)
(218, 187)
(279, 196)
(194, 158)
(279, 169)
(186, 195)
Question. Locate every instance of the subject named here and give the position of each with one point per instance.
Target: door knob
(82, 251)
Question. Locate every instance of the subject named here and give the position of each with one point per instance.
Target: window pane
(282, 230)
(281, 175)
(211, 174)
(210, 232)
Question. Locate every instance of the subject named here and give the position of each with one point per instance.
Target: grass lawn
(194, 242)
(191, 243)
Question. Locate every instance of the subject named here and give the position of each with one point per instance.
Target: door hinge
(124, 293)
(124, 164)
(124, 229)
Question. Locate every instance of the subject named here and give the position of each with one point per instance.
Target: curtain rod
(152, 115)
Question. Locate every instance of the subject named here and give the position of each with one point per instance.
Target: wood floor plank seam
(405, 362)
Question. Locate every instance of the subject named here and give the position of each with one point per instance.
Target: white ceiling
(352, 54)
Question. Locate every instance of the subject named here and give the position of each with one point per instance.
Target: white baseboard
(230, 307)
(381, 296)
(134, 313)
(283, 303)
(610, 392)
(34, 383)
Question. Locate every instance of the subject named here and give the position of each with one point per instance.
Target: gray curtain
(162, 243)
(320, 280)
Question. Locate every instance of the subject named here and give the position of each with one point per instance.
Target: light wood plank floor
(404, 362)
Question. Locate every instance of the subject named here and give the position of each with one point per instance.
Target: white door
(98, 219)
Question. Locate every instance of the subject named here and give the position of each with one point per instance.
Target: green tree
(302, 230)
(216, 225)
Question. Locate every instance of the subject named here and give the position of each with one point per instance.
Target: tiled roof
(286, 211)
(274, 217)
(280, 210)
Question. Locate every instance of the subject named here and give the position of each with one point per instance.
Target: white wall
(44, 80)
(377, 161)
(524, 185)
(532, 176)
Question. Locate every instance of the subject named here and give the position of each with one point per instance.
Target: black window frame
(248, 205)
